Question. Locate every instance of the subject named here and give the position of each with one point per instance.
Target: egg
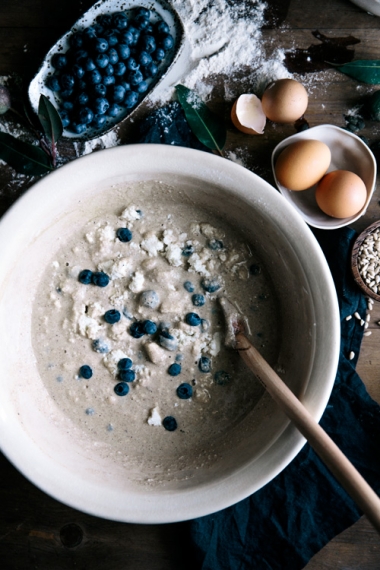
(341, 194)
(302, 164)
(284, 101)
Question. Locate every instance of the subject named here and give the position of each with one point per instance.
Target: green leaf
(23, 157)
(364, 70)
(206, 126)
(49, 119)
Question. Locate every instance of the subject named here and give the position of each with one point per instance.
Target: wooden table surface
(35, 530)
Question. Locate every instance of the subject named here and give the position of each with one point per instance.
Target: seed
(366, 325)
(349, 318)
(367, 333)
(357, 316)
(351, 355)
(368, 318)
(362, 322)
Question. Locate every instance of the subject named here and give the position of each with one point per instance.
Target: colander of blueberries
(99, 72)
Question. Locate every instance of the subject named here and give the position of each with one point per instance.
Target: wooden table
(35, 530)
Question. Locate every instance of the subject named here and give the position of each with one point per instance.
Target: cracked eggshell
(247, 115)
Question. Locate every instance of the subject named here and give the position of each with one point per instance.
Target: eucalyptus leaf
(49, 119)
(206, 126)
(23, 157)
(364, 70)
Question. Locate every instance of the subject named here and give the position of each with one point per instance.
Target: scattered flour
(224, 40)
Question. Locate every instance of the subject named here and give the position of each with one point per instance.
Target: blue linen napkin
(281, 526)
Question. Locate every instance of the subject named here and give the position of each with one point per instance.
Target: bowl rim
(339, 222)
(355, 258)
(211, 169)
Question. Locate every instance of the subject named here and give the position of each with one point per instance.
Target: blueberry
(134, 33)
(119, 68)
(184, 391)
(149, 29)
(193, 319)
(131, 64)
(144, 58)
(215, 244)
(124, 234)
(123, 51)
(166, 42)
(100, 346)
(149, 299)
(112, 37)
(99, 121)
(112, 316)
(109, 80)
(167, 340)
(94, 77)
(113, 56)
(204, 364)
(121, 389)
(198, 300)
(131, 99)
(148, 43)
(117, 95)
(101, 105)
(100, 45)
(142, 87)
(108, 70)
(136, 329)
(78, 128)
(59, 61)
(169, 423)
(89, 64)
(99, 90)
(222, 378)
(104, 20)
(78, 71)
(151, 70)
(99, 29)
(100, 279)
(127, 375)
(89, 33)
(123, 83)
(174, 369)
(101, 60)
(81, 85)
(76, 40)
(162, 28)
(127, 38)
(159, 54)
(80, 56)
(85, 371)
(210, 285)
(85, 115)
(52, 83)
(124, 364)
(81, 99)
(189, 286)
(119, 20)
(140, 23)
(65, 118)
(85, 276)
(188, 250)
(90, 411)
(135, 77)
(67, 81)
(142, 13)
(66, 94)
(114, 110)
(255, 269)
(149, 327)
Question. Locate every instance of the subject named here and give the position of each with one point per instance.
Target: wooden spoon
(323, 445)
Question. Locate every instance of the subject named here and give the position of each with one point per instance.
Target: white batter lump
(185, 389)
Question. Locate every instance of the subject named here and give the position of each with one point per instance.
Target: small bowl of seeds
(365, 261)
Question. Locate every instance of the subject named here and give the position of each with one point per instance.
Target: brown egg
(284, 101)
(341, 194)
(302, 164)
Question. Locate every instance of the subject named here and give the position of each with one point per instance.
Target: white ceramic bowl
(265, 441)
(348, 152)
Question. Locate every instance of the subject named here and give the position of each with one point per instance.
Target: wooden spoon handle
(323, 445)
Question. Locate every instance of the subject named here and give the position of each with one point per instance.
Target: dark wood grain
(38, 532)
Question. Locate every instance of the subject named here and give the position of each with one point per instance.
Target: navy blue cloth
(281, 526)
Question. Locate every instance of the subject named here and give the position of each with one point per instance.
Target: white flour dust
(225, 41)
